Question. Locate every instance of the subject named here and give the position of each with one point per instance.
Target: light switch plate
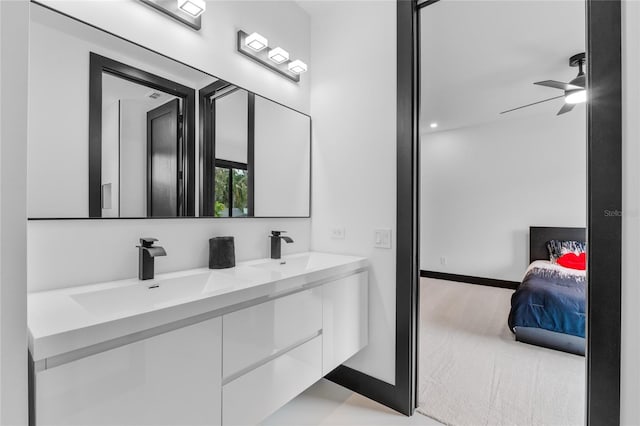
(337, 233)
(382, 238)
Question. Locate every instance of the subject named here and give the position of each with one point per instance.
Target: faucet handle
(277, 233)
(147, 241)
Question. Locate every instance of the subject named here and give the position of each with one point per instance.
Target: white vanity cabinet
(169, 379)
(232, 358)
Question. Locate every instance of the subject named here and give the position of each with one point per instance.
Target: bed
(548, 308)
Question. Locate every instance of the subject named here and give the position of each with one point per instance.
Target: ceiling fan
(574, 91)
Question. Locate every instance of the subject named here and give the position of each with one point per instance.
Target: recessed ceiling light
(278, 55)
(433, 125)
(576, 97)
(193, 8)
(297, 67)
(256, 42)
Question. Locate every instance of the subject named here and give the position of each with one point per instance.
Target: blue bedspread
(550, 299)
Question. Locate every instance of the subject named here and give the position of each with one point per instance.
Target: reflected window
(231, 189)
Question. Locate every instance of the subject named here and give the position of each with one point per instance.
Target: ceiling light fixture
(256, 42)
(255, 47)
(297, 66)
(278, 55)
(576, 97)
(433, 125)
(193, 8)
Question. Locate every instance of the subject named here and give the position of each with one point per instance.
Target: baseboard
(490, 282)
(372, 388)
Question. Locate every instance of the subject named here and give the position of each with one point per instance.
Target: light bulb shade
(576, 97)
(256, 42)
(278, 55)
(297, 67)
(193, 8)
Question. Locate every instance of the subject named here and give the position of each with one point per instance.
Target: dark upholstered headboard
(539, 235)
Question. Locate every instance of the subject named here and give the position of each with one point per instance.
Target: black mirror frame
(100, 64)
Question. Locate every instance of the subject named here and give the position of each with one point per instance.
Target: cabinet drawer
(256, 333)
(250, 398)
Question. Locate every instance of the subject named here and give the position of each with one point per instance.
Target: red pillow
(573, 261)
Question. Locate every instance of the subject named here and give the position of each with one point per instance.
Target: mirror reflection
(141, 141)
(119, 131)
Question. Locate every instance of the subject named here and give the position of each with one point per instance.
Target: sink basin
(295, 264)
(152, 294)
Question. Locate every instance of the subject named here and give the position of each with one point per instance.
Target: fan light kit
(256, 47)
(574, 91)
(194, 8)
(576, 97)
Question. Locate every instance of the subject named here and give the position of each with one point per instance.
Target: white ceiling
(481, 57)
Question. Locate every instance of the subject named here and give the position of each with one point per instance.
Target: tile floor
(326, 403)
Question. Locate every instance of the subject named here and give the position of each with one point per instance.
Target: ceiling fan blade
(535, 103)
(557, 85)
(566, 108)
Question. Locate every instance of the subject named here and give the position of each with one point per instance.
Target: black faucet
(146, 252)
(275, 243)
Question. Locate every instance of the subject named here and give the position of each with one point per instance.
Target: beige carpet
(473, 372)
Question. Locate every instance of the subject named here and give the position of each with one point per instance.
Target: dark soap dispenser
(221, 253)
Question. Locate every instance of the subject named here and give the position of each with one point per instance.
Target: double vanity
(202, 346)
(128, 133)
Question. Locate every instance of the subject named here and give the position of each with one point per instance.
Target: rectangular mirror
(119, 131)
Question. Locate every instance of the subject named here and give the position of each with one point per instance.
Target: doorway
(604, 171)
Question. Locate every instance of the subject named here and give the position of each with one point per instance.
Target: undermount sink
(152, 294)
(294, 264)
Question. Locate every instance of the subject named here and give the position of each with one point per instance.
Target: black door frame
(604, 221)
(99, 64)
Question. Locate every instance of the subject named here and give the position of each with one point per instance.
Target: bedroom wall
(630, 374)
(68, 253)
(354, 152)
(483, 186)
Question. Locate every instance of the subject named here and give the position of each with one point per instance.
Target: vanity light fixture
(297, 66)
(278, 55)
(188, 12)
(255, 46)
(194, 8)
(256, 42)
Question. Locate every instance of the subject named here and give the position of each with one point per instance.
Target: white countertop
(64, 320)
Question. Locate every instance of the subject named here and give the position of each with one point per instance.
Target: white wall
(14, 39)
(483, 186)
(213, 48)
(70, 253)
(630, 375)
(353, 105)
